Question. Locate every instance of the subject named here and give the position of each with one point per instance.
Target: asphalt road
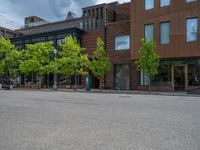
(31, 120)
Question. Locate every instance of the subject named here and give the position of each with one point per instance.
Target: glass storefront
(176, 75)
(122, 77)
(164, 76)
(194, 75)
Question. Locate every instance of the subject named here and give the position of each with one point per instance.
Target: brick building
(111, 22)
(173, 25)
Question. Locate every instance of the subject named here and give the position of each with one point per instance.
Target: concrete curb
(112, 92)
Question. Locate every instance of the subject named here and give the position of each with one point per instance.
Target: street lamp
(55, 74)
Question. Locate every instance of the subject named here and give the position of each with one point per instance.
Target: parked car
(5, 83)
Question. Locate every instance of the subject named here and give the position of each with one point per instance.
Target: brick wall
(89, 40)
(123, 12)
(176, 14)
(116, 57)
(121, 26)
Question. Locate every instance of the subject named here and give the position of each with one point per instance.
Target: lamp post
(55, 74)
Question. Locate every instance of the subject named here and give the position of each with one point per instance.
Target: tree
(71, 59)
(100, 63)
(37, 59)
(149, 60)
(9, 59)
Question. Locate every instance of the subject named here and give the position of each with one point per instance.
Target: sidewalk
(114, 92)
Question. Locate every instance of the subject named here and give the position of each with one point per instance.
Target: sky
(51, 10)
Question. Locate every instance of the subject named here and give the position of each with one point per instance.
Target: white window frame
(122, 48)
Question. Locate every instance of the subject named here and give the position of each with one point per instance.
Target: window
(122, 42)
(32, 19)
(149, 32)
(164, 3)
(194, 73)
(188, 1)
(122, 76)
(81, 25)
(86, 25)
(149, 4)
(192, 29)
(164, 76)
(165, 32)
(19, 47)
(2, 32)
(144, 79)
(60, 41)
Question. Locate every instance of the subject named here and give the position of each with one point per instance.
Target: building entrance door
(179, 77)
(122, 77)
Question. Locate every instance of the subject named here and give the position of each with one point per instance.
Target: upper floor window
(192, 29)
(149, 32)
(19, 47)
(60, 41)
(188, 1)
(165, 32)
(122, 42)
(164, 3)
(149, 4)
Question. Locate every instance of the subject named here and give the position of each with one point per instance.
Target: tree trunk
(32, 76)
(149, 84)
(40, 81)
(47, 81)
(75, 88)
(100, 85)
(93, 82)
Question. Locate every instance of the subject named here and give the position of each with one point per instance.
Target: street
(33, 120)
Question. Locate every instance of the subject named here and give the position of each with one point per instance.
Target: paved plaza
(33, 120)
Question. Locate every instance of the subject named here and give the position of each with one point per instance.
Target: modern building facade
(37, 30)
(111, 22)
(7, 33)
(173, 25)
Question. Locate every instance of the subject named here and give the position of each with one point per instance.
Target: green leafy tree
(71, 59)
(9, 59)
(149, 60)
(100, 63)
(37, 59)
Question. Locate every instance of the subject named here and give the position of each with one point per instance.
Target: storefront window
(122, 77)
(194, 75)
(164, 76)
(144, 79)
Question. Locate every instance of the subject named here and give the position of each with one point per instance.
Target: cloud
(50, 10)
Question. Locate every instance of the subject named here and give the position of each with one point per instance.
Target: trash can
(88, 83)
